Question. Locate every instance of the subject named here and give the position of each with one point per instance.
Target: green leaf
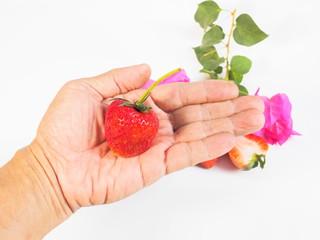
(236, 77)
(207, 13)
(212, 74)
(218, 70)
(213, 36)
(242, 90)
(247, 33)
(202, 51)
(240, 64)
(208, 57)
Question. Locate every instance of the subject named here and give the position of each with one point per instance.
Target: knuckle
(258, 103)
(257, 119)
(73, 83)
(261, 121)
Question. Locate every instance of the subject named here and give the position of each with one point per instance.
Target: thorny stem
(233, 14)
(148, 91)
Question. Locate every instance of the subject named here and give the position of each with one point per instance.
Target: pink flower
(180, 76)
(278, 126)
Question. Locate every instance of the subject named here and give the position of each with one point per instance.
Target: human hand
(203, 120)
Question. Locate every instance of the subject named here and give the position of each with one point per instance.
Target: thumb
(120, 80)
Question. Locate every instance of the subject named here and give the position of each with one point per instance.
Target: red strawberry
(129, 132)
(131, 127)
(249, 152)
(209, 163)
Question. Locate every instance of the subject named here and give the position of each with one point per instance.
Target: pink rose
(278, 126)
(180, 76)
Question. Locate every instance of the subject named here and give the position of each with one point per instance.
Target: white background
(43, 44)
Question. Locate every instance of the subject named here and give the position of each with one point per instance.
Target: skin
(69, 165)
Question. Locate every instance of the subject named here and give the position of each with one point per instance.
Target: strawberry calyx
(257, 160)
(140, 107)
(137, 106)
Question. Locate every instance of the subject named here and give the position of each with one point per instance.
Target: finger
(182, 155)
(248, 121)
(203, 129)
(248, 102)
(211, 111)
(201, 112)
(172, 96)
(241, 123)
(120, 80)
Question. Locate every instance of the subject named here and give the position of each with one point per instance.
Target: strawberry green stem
(148, 91)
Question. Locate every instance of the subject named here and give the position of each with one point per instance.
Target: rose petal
(278, 122)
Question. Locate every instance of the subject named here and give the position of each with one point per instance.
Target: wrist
(47, 177)
(31, 200)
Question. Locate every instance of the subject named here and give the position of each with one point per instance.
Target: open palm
(203, 120)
